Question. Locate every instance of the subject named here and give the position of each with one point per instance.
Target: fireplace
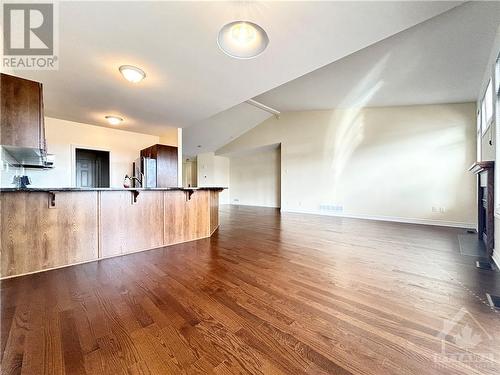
(485, 203)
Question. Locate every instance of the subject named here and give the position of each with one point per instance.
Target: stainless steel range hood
(30, 157)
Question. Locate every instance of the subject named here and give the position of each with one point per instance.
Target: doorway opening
(92, 168)
(255, 176)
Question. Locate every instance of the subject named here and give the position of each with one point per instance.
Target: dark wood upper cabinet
(166, 164)
(21, 113)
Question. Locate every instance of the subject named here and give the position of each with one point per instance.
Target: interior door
(85, 173)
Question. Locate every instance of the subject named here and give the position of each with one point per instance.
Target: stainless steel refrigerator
(145, 171)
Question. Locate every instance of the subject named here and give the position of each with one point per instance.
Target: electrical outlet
(442, 209)
(236, 200)
(434, 209)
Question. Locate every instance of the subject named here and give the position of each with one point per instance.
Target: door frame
(90, 148)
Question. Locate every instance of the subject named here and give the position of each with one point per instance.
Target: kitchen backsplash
(39, 177)
(7, 170)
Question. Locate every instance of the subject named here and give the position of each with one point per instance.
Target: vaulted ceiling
(441, 60)
(189, 79)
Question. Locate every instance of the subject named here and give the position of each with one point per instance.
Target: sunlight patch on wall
(346, 130)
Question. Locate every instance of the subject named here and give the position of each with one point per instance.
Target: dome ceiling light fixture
(242, 39)
(132, 73)
(113, 120)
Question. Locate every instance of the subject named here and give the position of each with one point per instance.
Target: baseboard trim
(252, 205)
(442, 223)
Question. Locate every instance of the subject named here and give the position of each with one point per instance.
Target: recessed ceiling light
(242, 39)
(132, 73)
(113, 120)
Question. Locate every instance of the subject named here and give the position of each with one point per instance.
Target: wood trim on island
(85, 226)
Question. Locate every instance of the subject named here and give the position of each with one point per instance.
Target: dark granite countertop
(7, 190)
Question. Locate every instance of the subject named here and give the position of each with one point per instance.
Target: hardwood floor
(289, 294)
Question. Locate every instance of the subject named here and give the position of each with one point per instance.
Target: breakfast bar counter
(43, 229)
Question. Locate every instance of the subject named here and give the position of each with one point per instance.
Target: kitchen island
(43, 229)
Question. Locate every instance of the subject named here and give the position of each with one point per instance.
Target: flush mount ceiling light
(132, 73)
(242, 39)
(113, 120)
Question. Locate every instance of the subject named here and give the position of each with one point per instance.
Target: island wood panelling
(85, 226)
(127, 226)
(214, 211)
(183, 221)
(35, 237)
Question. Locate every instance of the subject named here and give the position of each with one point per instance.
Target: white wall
(171, 137)
(255, 178)
(179, 156)
(62, 136)
(393, 163)
(213, 170)
(221, 173)
(205, 164)
(189, 171)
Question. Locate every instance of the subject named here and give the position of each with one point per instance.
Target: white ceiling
(188, 78)
(216, 131)
(441, 60)
(251, 151)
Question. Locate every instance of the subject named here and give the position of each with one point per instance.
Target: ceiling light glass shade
(113, 120)
(132, 73)
(242, 39)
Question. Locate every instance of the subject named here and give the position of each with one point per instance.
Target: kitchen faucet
(139, 180)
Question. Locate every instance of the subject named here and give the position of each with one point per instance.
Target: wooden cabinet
(166, 164)
(21, 112)
(40, 230)
(35, 237)
(128, 226)
(186, 216)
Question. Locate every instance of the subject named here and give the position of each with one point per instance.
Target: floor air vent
(484, 265)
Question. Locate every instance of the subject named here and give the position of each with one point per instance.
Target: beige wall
(63, 136)
(213, 170)
(404, 163)
(189, 170)
(488, 144)
(255, 178)
(170, 137)
(205, 164)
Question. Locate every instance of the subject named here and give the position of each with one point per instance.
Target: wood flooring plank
(72, 351)
(268, 293)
